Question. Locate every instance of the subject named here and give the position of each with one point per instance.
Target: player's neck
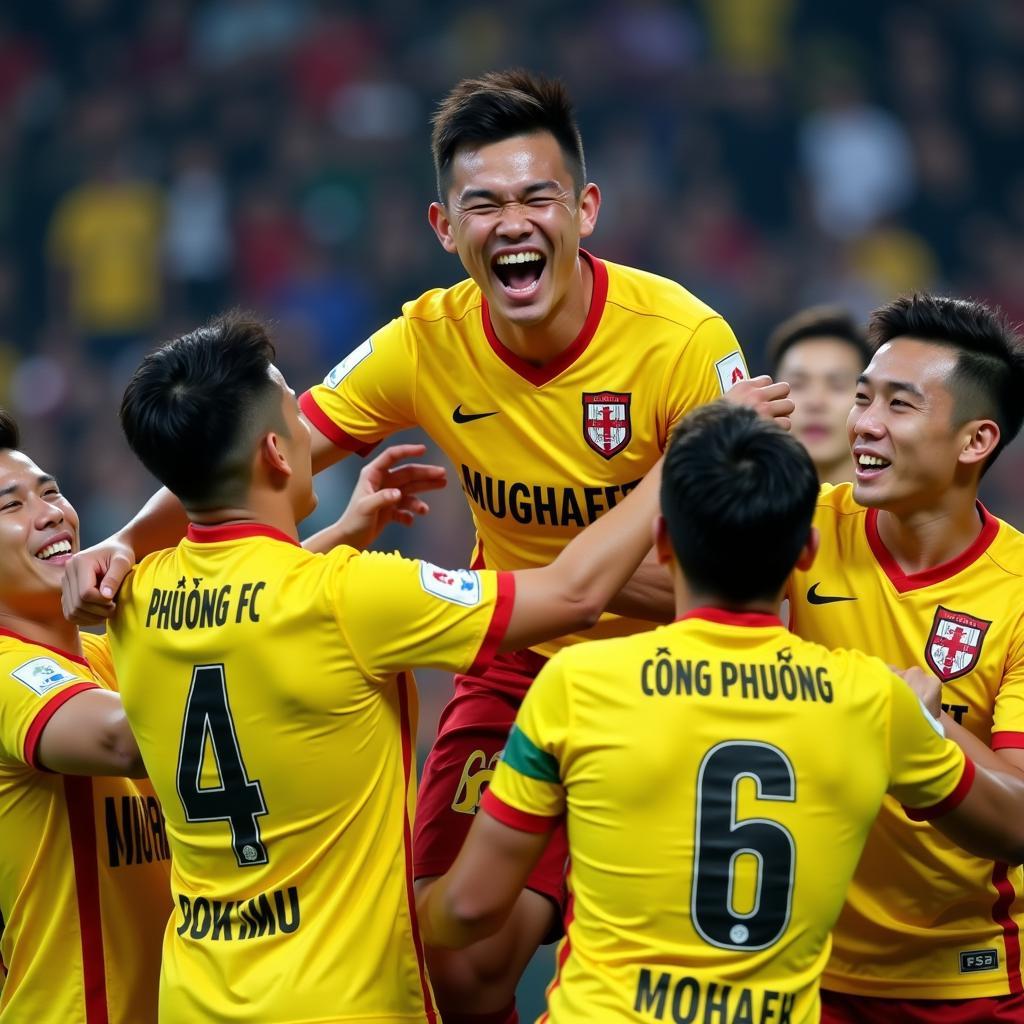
(688, 600)
(924, 538)
(49, 628)
(541, 343)
(262, 509)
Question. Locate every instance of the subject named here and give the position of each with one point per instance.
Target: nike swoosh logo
(467, 417)
(815, 598)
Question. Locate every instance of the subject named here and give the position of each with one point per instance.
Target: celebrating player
(819, 352)
(552, 380)
(719, 776)
(267, 687)
(84, 891)
(914, 570)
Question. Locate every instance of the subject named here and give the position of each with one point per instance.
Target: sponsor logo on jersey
(731, 370)
(606, 425)
(458, 416)
(459, 586)
(954, 644)
(813, 597)
(348, 364)
(476, 776)
(973, 960)
(41, 675)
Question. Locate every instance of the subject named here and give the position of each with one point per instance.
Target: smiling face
(512, 216)
(906, 444)
(38, 534)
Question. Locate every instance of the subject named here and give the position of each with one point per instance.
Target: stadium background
(161, 161)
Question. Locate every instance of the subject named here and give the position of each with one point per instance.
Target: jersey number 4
(237, 799)
(721, 839)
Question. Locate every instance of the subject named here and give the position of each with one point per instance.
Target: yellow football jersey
(84, 891)
(719, 777)
(268, 692)
(541, 452)
(924, 919)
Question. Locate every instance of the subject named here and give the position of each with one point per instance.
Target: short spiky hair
(988, 382)
(497, 106)
(816, 322)
(10, 435)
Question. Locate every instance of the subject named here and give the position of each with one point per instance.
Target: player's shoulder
(442, 305)
(836, 507)
(650, 295)
(1007, 548)
(41, 668)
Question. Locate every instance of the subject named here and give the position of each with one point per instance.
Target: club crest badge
(954, 644)
(606, 425)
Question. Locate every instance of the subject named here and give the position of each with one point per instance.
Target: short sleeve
(369, 394)
(1008, 713)
(528, 788)
(397, 613)
(708, 366)
(33, 686)
(929, 774)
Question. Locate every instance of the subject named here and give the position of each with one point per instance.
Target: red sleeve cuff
(951, 802)
(503, 605)
(513, 817)
(43, 716)
(1008, 741)
(330, 429)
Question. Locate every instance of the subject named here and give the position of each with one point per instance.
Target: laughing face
(513, 217)
(38, 533)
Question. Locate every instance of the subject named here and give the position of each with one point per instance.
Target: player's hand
(927, 687)
(769, 399)
(92, 579)
(389, 493)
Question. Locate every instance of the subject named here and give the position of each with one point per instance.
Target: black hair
(832, 322)
(497, 106)
(194, 408)
(10, 435)
(988, 380)
(738, 495)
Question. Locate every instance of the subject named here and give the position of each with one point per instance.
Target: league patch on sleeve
(459, 586)
(41, 675)
(348, 364)
(730, 369)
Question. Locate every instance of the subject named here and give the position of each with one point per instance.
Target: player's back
(720, 778)
(284, 763)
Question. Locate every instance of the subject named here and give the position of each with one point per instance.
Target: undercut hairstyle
(195, 409)
(498, 106)
(831, 322)
(10, 435)
(988, 379)
(738, 495)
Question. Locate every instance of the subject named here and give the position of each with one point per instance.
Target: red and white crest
(606, 425)
(954, 644)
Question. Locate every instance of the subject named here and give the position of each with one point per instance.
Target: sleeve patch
(348, 364)
(458, 586)
(731, 369)
(41, 675)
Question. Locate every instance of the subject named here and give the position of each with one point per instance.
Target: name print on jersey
(202, 607)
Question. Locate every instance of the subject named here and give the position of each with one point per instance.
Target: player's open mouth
(869, 466)
(519, 272)
(57, 552)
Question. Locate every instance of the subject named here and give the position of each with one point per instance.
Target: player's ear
(589, 204)
(439, 221)
(981, 438)
(806, 557)
(662, 544)
(273, 457)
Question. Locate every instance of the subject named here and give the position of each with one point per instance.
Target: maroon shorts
(840, 1008)
(470, 738)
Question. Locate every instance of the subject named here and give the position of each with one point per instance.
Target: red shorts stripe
(330, 429)
(43, 716)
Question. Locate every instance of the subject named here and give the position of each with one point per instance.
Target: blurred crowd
(161, 161)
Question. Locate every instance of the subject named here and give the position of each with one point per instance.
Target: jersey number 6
(238, 799)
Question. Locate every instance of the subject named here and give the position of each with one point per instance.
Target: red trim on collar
(724, 617)
(540, 375)
(80, 659)
(903, 581)
(235, 531)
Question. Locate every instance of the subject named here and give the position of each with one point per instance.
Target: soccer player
(914, 570)
(552, 380)
(819, 352)
(84, 892)
(718, 775)
(268, 690)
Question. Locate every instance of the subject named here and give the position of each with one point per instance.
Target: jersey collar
(235, 531)
(538, 375)
(904, 581)
(724, 617)
(36, 643)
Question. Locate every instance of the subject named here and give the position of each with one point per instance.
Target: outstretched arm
(89, 735)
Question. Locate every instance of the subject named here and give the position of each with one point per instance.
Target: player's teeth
(517, 257)
(60, 547)
(872, 460)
